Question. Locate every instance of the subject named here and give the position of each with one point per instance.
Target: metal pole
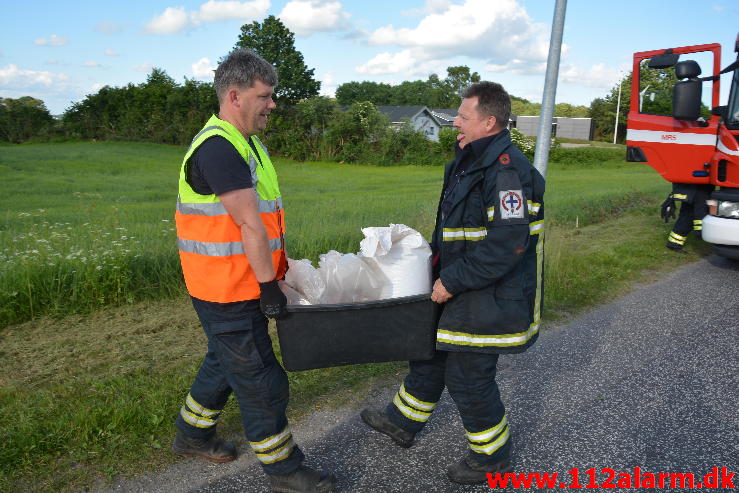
(541, 157)
(618, 109)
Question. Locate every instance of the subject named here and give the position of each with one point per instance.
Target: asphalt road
(647, 381)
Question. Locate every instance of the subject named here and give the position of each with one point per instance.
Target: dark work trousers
(240, 360)
(470, 379)
(691, 215)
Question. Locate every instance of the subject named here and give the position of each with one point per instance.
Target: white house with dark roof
(421, 118)
(431, 121)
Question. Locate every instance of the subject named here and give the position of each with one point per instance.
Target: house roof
(445, 116)
(397, 114)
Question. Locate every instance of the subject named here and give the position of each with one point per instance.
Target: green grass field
(100, 346)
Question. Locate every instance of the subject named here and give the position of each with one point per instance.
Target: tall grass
(91, 224)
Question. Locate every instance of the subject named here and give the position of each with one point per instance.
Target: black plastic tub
(319, 336)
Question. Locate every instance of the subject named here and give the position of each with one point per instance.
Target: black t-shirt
(217, 167)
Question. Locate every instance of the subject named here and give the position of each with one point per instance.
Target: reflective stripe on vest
(222, 249)
(209, 241)
(217, 209)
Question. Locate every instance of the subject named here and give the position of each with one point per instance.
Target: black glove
(272, 301)
(667, 209)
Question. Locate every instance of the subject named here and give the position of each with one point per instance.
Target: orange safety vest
(211, 250)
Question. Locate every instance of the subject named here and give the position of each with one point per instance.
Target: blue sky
(61, 51)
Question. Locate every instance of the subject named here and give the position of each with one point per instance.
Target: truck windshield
(732, 113)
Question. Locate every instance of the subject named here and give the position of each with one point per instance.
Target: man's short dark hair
(241, 68)
(492, 100)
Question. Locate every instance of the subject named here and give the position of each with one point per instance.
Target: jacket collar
(487, 150)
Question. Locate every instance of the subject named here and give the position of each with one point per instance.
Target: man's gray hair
(492, 100)
(241, 68)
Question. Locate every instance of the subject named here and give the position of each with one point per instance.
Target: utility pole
(544, 134)
(618, 109)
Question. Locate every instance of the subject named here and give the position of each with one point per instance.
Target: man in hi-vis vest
(230, 235)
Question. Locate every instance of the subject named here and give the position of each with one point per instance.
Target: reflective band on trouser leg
(412, 408)
(274, 448)
(697, 224)
(676, 238)
(198, 415)
(491, 440)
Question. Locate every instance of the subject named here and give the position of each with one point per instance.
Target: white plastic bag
(305, 280)
(347, 279)
(293, 297)
(402, 256)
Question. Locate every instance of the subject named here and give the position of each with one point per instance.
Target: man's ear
(490, 123)
(233, 96)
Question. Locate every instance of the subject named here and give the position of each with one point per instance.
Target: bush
(405, 145)
(527, 145)
(585, 156)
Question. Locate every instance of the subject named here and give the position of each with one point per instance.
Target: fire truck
(684, 139)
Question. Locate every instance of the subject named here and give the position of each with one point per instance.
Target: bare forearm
(256, 247)
(242, 205)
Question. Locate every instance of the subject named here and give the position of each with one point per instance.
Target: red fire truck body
(686, 148)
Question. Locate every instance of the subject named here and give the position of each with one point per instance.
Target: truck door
(680, 150)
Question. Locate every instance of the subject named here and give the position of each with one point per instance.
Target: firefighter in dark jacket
(693, 209)
(488, 262)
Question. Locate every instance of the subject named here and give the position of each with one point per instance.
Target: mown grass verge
(93, 396)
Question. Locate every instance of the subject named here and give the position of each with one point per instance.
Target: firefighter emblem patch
(511, 204)
(504, 159)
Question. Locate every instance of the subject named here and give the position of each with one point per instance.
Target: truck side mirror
(665, 60)
(719, 111)
(686, 95)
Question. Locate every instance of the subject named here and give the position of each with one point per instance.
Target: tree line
(304, 126)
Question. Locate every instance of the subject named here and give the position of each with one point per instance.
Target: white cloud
(11, 76)
(203, 69)
(478, 29)
(391, 63)
(90, 63)
(214, 10)
(305, 17)
(144, 67)
(176, 19)
(110, 52)
(172, 20)
(598, 76)
(52, 40)
(431, 7)
(96, 87)
(328, 85)
(108, 27)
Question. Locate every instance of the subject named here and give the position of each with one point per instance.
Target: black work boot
(212, 449)
(302, 480)
(469, 471)
(675, 247)
(380, 421)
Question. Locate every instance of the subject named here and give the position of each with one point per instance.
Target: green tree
(357, 133)
(433, 92)
(24, 118)
(458, 78)
(276, 44)
(378, 93)
(570, 111)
